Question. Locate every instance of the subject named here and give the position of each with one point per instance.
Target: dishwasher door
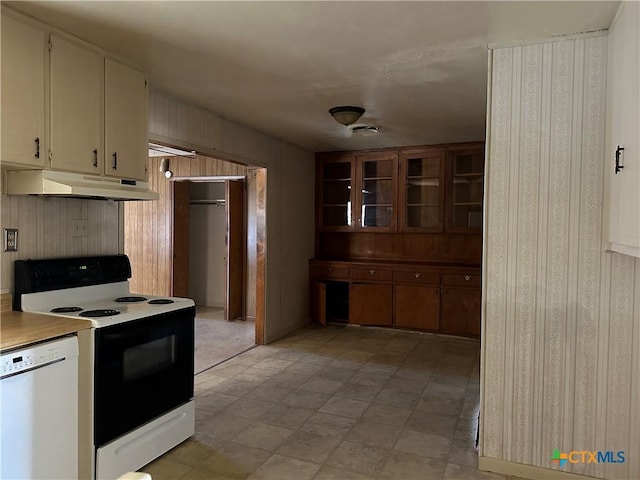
(39, 411)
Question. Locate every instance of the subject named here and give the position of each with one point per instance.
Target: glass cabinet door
(336, 194)
(422, 190)
(466, 183)
(377, 192)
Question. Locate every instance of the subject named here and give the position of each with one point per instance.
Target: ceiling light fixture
(165, 168)
(364, 130)
(346, 115)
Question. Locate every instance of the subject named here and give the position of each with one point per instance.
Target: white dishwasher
(39, 411)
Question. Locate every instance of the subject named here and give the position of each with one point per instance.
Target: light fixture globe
(346, 115)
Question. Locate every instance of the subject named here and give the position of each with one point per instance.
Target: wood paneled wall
(561, 321)
(44, 229)
(289, 227)
(148, 227)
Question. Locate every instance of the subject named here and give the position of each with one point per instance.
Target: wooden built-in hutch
(399, 238)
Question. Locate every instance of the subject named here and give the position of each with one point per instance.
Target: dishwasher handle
(35, 367)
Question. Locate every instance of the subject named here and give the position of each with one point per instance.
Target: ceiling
(418, 68)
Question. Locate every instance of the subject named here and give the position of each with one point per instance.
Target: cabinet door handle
(115, 160)
(37, 140)
(467, 277)
(418, 274)
(95, 157)
(372, 272)
(619, 167)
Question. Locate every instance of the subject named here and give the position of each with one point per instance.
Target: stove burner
(160, 301)
(99, 313)
(66, 309)
(130, 299)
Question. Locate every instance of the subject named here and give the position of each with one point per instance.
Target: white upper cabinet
(126, 133)
(622, 145)
(77, 116)
(23, 94)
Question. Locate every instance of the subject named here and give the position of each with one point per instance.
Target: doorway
(158, 242)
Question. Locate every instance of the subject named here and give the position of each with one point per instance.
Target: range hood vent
(76, 185)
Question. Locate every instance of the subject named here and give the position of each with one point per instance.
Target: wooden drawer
(416, 276)
(330, 272)
(462, 279)
(373, 274)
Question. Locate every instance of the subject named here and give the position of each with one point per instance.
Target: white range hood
(66, 184)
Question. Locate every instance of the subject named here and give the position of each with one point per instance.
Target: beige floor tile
(306, 369)
(467, 457)
(359, 458)
(249, 408)
(387, 415)
(370, 379)
(444, 425)
(207, 473)
(333, 373)
(287, 416)
(269, 392)
(332, 473)
(263, 436)
(252, 374)
(359, 392)
(403, 465)
(284, 468)
(412, 385)
(227, 370)
(204, 382)
(397, 398)
(440, 391)
(459, 472)
(347, 363)
(287, 379)
(304, 399)
(223, 426)
(321, 385)
(191, 452)
(233, 386)
(164, 469)
(345, 407)
(317, 358)
(273, 365)
(214, 402)
(423, 444)
(243, 458)
(328, 425)
(376, 368)
(308, 446)
(443, 406)
(375, 434)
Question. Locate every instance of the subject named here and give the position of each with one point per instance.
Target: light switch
(10, 239)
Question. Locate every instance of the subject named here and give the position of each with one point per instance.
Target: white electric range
(139, 362)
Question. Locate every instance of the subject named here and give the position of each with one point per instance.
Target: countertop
(22, 328)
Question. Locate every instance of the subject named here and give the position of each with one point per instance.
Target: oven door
(143, 368)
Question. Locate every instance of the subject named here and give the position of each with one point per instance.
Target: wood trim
(235, 241)
(525, 471)
(180, 243)
(261, 254)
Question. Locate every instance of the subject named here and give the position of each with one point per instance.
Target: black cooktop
(132, 299)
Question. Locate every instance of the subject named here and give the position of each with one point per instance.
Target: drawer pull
(418, 274)
(372, 272)
(467, 277)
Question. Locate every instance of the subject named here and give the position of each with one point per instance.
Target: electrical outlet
(79, 227)
(10, 239)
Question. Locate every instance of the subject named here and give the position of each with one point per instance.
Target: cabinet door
(461, 311)
(370, 304)
(23, 93)
(417, 306)
(335, 193)
(421, 203)
(77, 117)
(465, 179)
(126, 133)
(623, 130)
(376, 195)
(318, 302)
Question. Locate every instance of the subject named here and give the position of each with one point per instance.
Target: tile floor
(336, 403)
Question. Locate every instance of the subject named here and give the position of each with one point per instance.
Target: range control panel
(21, 360)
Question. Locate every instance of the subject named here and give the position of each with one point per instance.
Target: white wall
(207, 250)
(44, 229)
(561, 318)
(290, 198)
